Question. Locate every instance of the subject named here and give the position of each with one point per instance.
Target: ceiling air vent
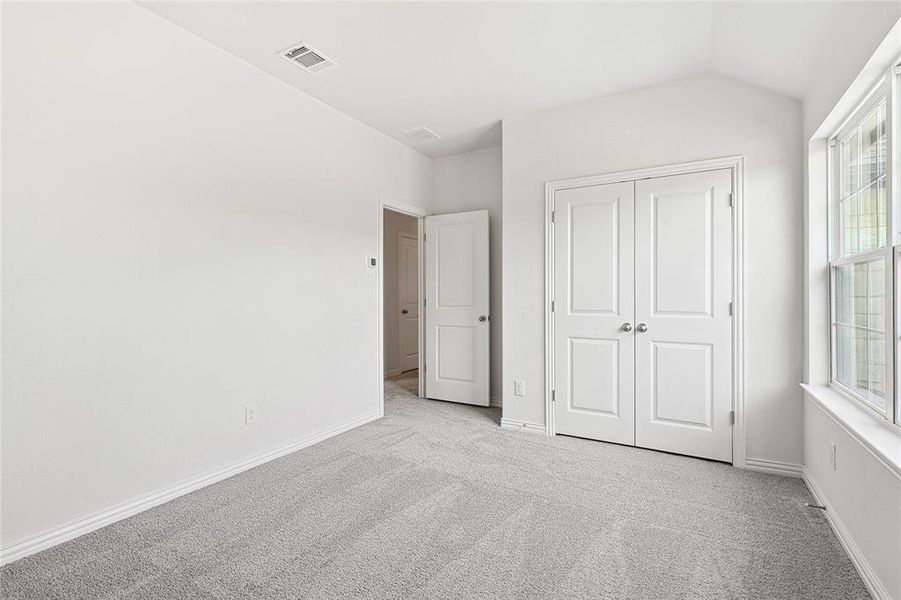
(420, 134)
(307, 58)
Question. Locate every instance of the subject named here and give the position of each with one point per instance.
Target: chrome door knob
(627, 327)
(404, 311)
(483, 318)
(642, 328)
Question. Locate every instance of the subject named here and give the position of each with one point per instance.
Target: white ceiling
(458, 68)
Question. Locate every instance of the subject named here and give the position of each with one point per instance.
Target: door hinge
(731, 417)
(553, 216)
(553, 395)
(423, 237)
(425, 301)
(731, 309)
(553, 305)
(731, 199)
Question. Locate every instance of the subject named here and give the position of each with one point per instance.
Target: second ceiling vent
(420, 134)
(307, 58)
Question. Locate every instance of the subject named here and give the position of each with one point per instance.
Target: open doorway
(401, 302)
(434, 344)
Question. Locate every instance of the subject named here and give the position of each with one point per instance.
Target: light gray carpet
(436, 501)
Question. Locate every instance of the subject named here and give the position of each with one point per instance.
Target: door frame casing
(419, 214)
(739, 290)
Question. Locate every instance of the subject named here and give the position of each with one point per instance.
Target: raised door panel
(594, 256)
(682, 253)
(408, 293)
(455, 254)
(456, 353)
(682, 384)
(410, 343)
(593, 376)
(593, 371)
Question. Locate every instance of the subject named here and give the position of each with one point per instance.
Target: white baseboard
(497, 402)
(774, 467)
(393, 372)
(110, 515)
(870, 579)
(522, 425)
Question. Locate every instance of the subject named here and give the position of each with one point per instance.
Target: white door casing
(683, 291)
(383, 205)
(408, 300)
(456, 307)
(593, 310)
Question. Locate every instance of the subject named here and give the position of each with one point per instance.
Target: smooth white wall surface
(394, 224)
(861, 492)
(689, 119)
(867, 25)
(182, 235)
(472, 181)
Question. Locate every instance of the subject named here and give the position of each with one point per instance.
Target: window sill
(877, 435)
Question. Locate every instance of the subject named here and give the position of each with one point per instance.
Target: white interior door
(456, 307)
(683, 290)
(593, 312)
(408, 299)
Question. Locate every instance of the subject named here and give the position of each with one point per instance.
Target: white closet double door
(642, 317)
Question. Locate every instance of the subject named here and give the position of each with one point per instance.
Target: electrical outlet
(250, 414)
(519, 387)
(832, 455)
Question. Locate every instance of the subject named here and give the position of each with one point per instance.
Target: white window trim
(887, 87)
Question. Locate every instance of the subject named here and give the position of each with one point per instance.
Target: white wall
(395, 223)
(862, 495)
(868, 23)
(684, 120)
(472, 181)
(182, 235)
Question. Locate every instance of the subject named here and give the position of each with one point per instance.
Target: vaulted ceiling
(458, 68)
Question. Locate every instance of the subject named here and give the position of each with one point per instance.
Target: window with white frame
(863, 256)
